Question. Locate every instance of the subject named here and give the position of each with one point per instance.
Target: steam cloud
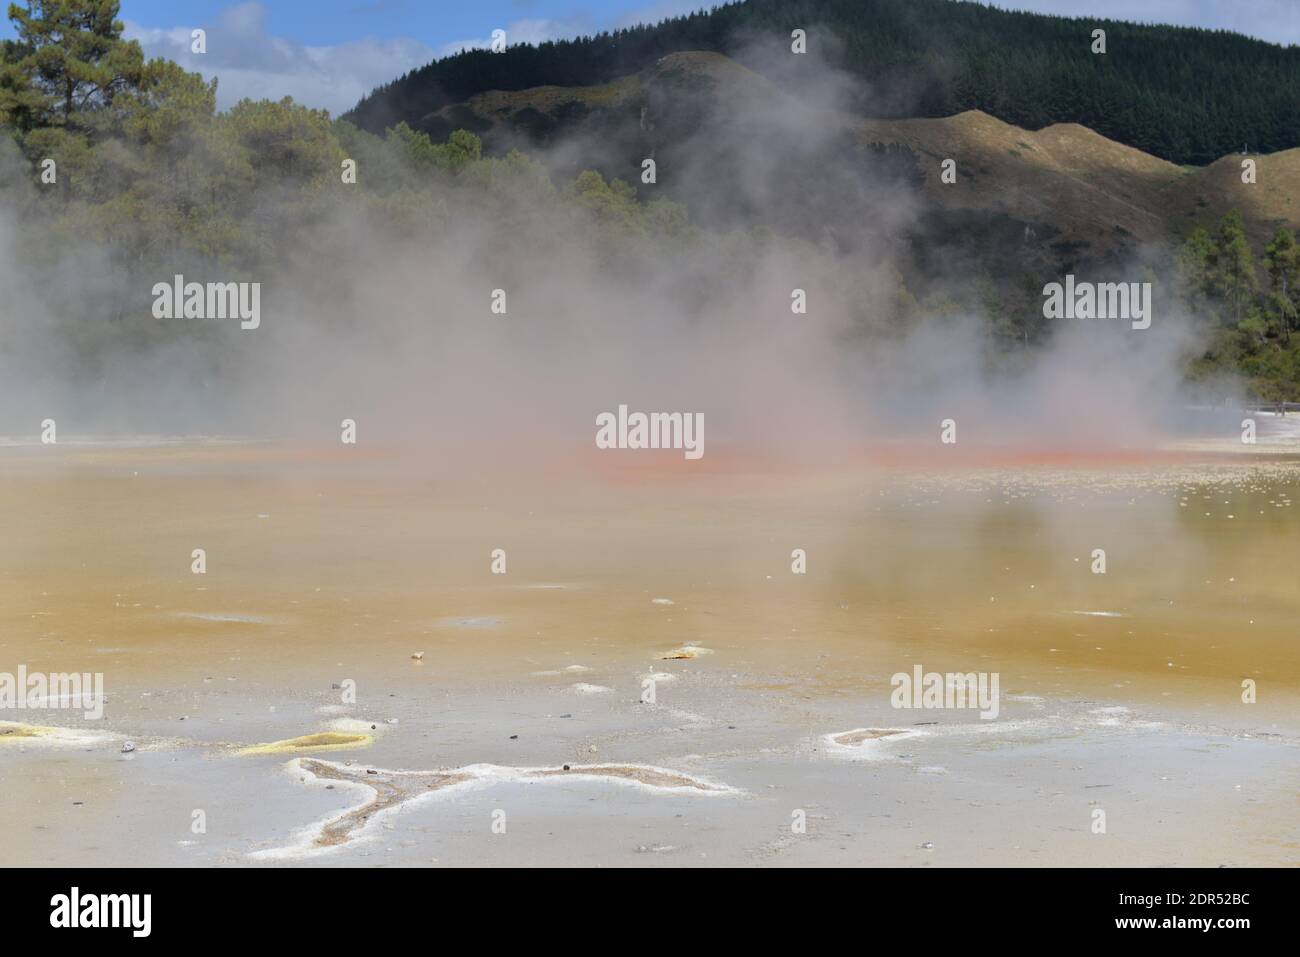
(394, 330)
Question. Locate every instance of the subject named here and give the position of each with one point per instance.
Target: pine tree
(73, 58)
(1282, 261)
(1232, 265)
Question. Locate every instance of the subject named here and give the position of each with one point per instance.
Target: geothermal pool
(711, 705)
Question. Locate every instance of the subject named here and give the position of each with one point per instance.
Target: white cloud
(248, 62)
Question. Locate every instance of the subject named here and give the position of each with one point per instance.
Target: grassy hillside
(1185, 95)
(1082, 196)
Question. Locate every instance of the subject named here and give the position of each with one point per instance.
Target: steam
(393, 327)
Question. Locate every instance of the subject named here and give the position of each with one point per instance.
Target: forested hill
(1186, 95)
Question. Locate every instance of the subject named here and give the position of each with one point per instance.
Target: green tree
(1194, 266)
(285, 141)
(461, 149)
(1282, 261)
(21, 104)
(73, 58)
(1232, 265)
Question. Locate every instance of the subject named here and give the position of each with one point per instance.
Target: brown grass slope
(1093, 192)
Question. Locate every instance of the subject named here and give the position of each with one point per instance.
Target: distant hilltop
(1067, 187)
(1188, 96)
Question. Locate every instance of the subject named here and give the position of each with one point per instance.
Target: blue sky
(435, 22)
(328, 53)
